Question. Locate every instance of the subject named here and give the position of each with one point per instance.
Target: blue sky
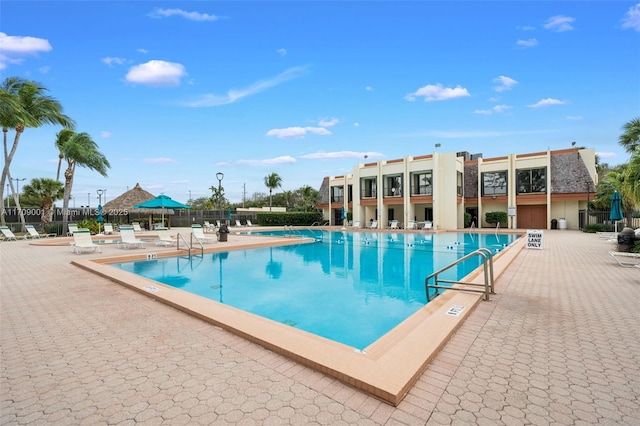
(174, 92)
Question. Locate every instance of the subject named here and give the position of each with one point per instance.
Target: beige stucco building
(533, 189)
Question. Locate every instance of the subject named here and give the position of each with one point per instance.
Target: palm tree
(62, 137)
(46, 191)
(309, 197)
(79, 150)
(27, 105)
(630, 139)
(272, 181)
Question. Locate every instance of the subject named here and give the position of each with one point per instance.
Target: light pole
(220, 176)
(18, 185)
(8, 198)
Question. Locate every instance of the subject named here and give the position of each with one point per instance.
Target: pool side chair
(217, 223)
(628, 260)
(82, 241)
(411, 226)
(428, 225)
(198, 234)
(249, 223)
(72, 228)
(373, 225)
(7, 234)
(209, 227)
(33, 233)
(356, 224)
(136, 227)
(164, 238)
(393, 224)
(238, 224)
(128, 238)
(108, 229)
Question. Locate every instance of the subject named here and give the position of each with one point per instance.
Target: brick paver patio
(558, 344)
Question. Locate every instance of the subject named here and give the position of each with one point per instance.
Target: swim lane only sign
(534, 239)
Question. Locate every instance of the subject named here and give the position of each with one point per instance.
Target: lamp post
(220, 176)
(8, 198)
(18, 185)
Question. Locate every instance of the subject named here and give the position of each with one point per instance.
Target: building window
(532, 181)
(337, 194)
(422, 183)
(368, 188)
(349, 193)
(459, 187)
(494, 183)
(393, 186)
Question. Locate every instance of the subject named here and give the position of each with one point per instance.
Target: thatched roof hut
(123, 204)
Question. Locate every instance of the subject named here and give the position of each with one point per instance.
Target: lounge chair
(393, 224)
(136, 227)
(7, 234)
(412, 225)
(373, 224)
(355, 224)
(198, 234)
(108, 229)
(128, 238)
(428, 225)
(164, 238)
(238, 224)
(626, 259)
(249, 223)
(218, 223)
(73, 227)
(33, 233)
(82, 241)
(209, 227)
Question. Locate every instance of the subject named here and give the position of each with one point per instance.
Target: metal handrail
(180, 237)
(199, 243)
(487, 257)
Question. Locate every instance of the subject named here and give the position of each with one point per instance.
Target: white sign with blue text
(534, 239)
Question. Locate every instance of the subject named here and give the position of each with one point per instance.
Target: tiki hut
(122, 207)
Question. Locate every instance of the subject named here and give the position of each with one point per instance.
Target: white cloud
(44, 69)
(297, 132)
(325, 122)
(14, 48)
(526, 28)
(559, 23)
(105, 135)
(369, 89)
(356, 124)
(606, 154)
(109, 60)
(547, 102)
(632, 18)
(282, 51)
(156, 73)
(192, 16)
(495, 109)
(232, 96)
(338, 155)
(287, 159)
(158, 160)
(436, 92)
(503, 83)
(574, 117)
(143, 51)
(527, 43)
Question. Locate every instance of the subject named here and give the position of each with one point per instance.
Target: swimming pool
(350, 287)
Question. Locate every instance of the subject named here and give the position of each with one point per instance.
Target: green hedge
(496, 217)
(288, 218)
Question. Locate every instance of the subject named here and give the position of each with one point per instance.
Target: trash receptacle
(554, 223)
(222, 233)
(626, 240)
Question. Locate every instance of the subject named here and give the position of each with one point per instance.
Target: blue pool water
(351, 287)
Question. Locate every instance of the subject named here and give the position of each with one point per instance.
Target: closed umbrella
(161, 202)
(616, 209)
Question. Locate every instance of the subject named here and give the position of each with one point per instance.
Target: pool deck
(558, 343)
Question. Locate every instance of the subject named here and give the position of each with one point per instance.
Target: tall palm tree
(79, 150)
(62, 137)
(28, 105)
(630, 139)
(272, 181)
(47, 191)
(310, 198)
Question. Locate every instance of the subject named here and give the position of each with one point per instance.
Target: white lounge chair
(108, 229)
(33, 233)
(136, 227)
(373, 224)
(209, 227)
(198, 234)
(7, 234)
(73, 227)
(626, 259)
(238, 224)
(355, 224)
(412, 225)
(128, 238)
(164, 238)
(82, 241)
(393, 224)
(249, 223)
(218, 223)
(428, 225)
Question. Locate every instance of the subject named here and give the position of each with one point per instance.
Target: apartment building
(533, 189)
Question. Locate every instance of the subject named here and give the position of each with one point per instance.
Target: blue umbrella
(616, 209)
(161, 202)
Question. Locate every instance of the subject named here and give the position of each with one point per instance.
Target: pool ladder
(189, 244)
(487, 260)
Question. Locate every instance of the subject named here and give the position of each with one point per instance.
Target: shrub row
(288, 218)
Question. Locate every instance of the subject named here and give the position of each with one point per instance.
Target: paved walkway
(558, 344)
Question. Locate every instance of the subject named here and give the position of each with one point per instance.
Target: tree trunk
(5, 169)
(68, 182)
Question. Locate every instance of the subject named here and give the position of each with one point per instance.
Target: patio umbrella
(161, 202)
(616, 209)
